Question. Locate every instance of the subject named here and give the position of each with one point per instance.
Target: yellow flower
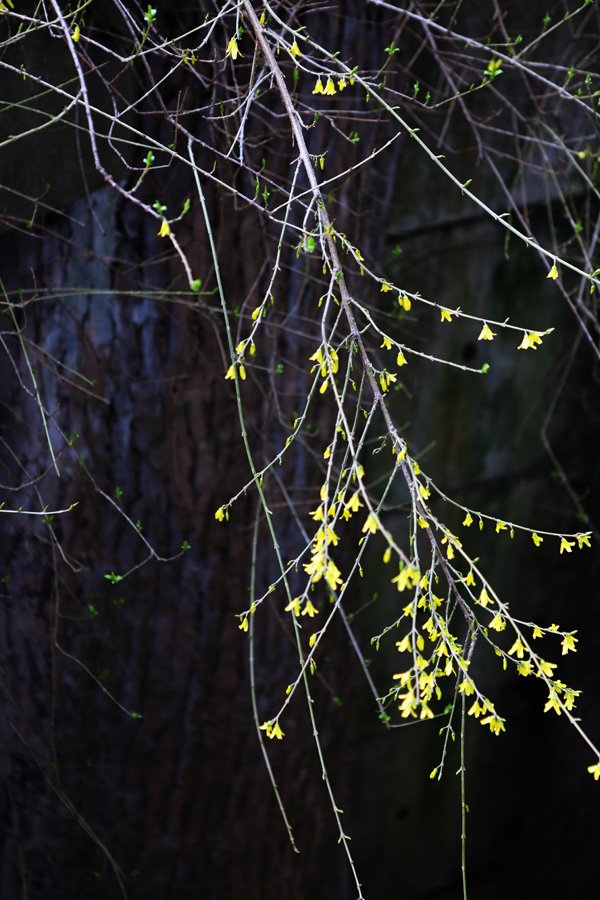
(552, 703)
(333, 576)
(309, 610)
(524, 668)
(232, 49)
(496, 724)
(468, 519)
(545, 668)
(484, 598)
(404, 302)
(537, 632)
(294, 606)
(447, 315)
(469, 580)
(295, 49)
(530, 339)
(330, 86)
(595, 771)
(486, 334)
(568, 643)
(566, 545)
(400, 359)
(424, 492)
(4, 8)
(517, 648)
(341, 84)
(244, 624)
(220, 514)
(553, 273)
(498, 623)
(583, 539)
(370, 524)
(385, 287)
(319, 87)
(500, 526)
(385, 379)
(230, 373)
(466, 687)
(387, 344)
(256, 313)
(76, 34)
(537, 540)
(165, 231)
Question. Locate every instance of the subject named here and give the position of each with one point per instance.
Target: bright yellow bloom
(273, 730)
(244, 624)
(385, 379)
(469, 580)
(319, 87)
(76, 34)
(468, 519)
(232, 49)
(407, 577)
(595, 771)
(404, 302)
(484, 598)
(220, 514)
(553, 273)
(294, 606)
(333, 576)
(341, 84)
(496, 724)
(517, 648)
(385, 287)
(309, 610)
(424, 492)
(530, 339)
(568, 643)
(498, 623)
(553, 703)
(546, 668)
(466, 687)
(165, 231)
(256, 313)
(486, 334)
(400, 359)
(583, 539)
(500, 526)
(566, 545)
(295, 49)
(370, 524)
(537, 632)
(537, 540)
(330, 86)
(387, 344)
(447, 315)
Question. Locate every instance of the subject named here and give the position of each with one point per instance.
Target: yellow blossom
(244, 624)
(330, 86)
(76, 34)
(273, 730)
(553, 703)
(496, 724)
(475, 710)
(583, 539)
(530, 339)
(407, 577)
(424, 492)
(309, 610)
(498, 623)
(387, 344)
(447, 315)
(333, 576)
(422, 523)
(232, 49)
(468, 519)
(400, 359)
(385, 287)
(385, 379)
(341, 84)
(566, 545)
(319, 87)
(220, 514)
(387, 555)
(545, 668)
(486, 334)
(370, 524)
(568, 643)
(469, 580)
(537, 540)
(164, 231)
(517, 648)
(484, 598)
(553, 273)
(466, 687)
(404, 302)
(295, 49)
(524, 668)
(500, 526)
(595, 771)
(294, 606)
(537, 632)
(256, 313)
